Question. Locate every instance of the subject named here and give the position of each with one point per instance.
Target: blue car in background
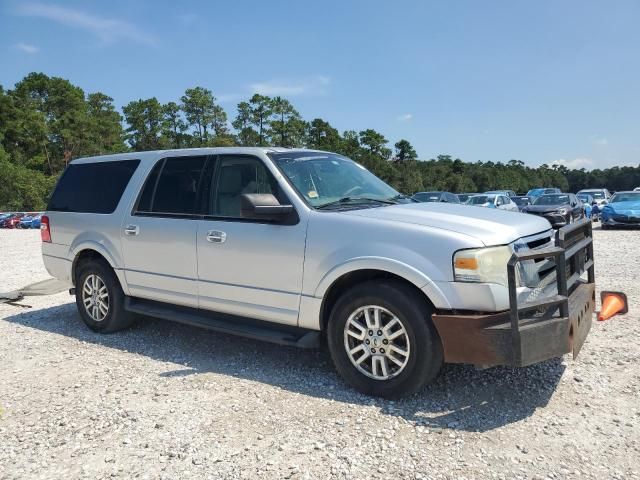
(30, 221)
(536, 192)
(36, 222)
(25, 222)
(623, 210)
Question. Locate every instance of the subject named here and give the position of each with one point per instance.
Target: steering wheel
(352, 190)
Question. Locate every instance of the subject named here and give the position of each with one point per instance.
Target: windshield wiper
(355, 201)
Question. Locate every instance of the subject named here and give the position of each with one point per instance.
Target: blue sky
(543, 81)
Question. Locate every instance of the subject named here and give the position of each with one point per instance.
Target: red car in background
(11, 221)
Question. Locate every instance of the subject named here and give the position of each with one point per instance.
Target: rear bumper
(489, 339)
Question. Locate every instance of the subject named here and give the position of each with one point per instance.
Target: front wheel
(382, 340)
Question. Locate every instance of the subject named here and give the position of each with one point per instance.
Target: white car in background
(490, 200)
(600, 195)
(637, 189)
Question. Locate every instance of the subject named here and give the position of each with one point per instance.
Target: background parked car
(623, 209)
(600, 195)
(559, 208)
(508, 193)
(25, 221)
(521, 201)
(37, 220)
(12, 220)
(447, 197)
(463, 197)
(502, 202)
(536, 192)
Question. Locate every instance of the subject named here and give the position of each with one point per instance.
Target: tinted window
(172, 186)
(92, 187)
(238, 175)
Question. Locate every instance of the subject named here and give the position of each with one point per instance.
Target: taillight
(45, 232)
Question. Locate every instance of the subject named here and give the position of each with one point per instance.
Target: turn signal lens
(467, 263)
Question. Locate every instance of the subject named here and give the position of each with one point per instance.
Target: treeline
(45, 122)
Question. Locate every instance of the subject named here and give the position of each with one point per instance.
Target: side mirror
(265, 207)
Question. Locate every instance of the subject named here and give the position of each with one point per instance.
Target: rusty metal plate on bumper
(488, 339)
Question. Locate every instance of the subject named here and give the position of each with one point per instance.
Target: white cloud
(106, 29)
(26, 48)
(405, 117)
(229, 97)
(290, 88)
(575, 163)
(601, 141)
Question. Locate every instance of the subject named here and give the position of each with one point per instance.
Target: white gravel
(169, 401)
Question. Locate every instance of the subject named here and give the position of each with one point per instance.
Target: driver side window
(237, 175)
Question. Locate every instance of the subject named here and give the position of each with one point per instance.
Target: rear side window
(172, 187)
(92, 187)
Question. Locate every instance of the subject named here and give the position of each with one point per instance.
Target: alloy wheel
(95, 297)
(376, 342)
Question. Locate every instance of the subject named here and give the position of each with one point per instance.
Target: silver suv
(299, 247)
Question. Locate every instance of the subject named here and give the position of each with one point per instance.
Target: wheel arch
(331, 290)
(95, 252)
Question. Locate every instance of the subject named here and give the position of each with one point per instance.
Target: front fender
(395, 267)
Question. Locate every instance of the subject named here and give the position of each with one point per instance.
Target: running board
(224, 323)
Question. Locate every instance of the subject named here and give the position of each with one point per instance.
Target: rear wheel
(382, 340)
(100, 299)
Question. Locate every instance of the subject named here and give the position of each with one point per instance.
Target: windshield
(521, 201)
(552, 200)
(534, 192)
(595, 194)
(626, 197)
(480, 200)
(583, 197)
(322, 178)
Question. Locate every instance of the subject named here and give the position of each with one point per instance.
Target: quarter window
(92, 187)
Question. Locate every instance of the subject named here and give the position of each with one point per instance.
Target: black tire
(116, 318)
(411, 308)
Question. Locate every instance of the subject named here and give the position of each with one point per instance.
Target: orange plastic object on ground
(612, 304)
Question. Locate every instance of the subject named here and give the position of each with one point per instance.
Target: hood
(489, 225)
(545, 208)
(626, 208)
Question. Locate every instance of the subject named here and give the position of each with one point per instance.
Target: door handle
(216, 236)
(131, 230)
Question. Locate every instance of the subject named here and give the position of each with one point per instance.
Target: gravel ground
(163, 400)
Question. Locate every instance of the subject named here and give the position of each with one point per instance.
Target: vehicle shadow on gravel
(462, 398)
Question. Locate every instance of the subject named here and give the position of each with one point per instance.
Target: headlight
(486, 265)
(563, 211)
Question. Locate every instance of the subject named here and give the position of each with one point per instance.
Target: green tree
(145, 119)
(261, 110)
(375, 143)
(405, 151)
(322, 136)
(198, 105)
(286, 126)
(104, 129)
(247, 136)
(173, 125)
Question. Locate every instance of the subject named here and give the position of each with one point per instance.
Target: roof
(187, 151)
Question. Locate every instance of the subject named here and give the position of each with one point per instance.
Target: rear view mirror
(265, 207)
